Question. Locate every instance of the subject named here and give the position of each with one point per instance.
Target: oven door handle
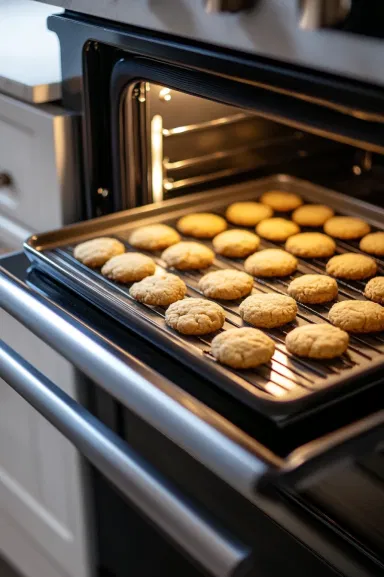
(310, 462)
(219, 553)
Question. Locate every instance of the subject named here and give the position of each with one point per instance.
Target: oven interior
(194, 144)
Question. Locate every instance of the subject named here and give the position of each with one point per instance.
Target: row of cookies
(276, 229)
(246, 347)
(132, 267)
(251, 214)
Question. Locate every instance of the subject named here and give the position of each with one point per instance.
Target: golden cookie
(96, 252)
(320, 341)
(188, 256)
(374, 290)
(373, 243)
(311, 245)
(268, 310)
(277, 229)
(271, 262)
(346, 227)
(243, 348)
(159, 290)
(312, 214)
(195, 316)
(248, 213)
(154, 237)
(357, 316)
(313, 288)
(352, 266)
(128, 267)
(201, 225)
(227, 284)
(236, 243)
(281, 201)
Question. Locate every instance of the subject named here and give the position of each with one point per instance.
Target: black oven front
(164, 119)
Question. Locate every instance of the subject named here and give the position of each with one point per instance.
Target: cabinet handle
(5, 179)
(214, 549)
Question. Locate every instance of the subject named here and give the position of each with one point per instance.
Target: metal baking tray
(288, 385)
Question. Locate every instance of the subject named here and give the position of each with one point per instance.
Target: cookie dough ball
(320, 341)
(227, 284)
(373, 243)
(277, 229)
(374, 290)
(201, 225)
(313, 289)
(312, 214)
(357, 316)
(311, 245)
(128, 267)
(351, 265)
(271, 262)
(346, 227)
(154, 237)
(268, 310)
(281, 201)
(94, 253)
(236, 243)
(248, 213)
(159, 290)
(188, 256)
(195, 316)
(243, 348)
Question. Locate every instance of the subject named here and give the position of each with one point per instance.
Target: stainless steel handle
(323, 13)
(212, 6)
(212, 440)
(216, 551)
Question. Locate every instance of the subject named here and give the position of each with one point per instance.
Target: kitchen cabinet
(43, 501)
(39, 184)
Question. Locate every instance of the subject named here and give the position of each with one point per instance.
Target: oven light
(356, 170)
(157, 157)
(165, 94)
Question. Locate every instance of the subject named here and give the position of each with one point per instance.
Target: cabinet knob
(323, 13)
(212, 6)
(5, 179)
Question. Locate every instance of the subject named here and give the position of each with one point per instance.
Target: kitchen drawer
(39, 165)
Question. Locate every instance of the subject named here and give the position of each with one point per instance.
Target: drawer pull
(5, 179)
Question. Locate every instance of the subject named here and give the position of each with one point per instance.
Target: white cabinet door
(43, 529)
(39, 165)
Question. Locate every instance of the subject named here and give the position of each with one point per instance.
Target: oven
(196, 468)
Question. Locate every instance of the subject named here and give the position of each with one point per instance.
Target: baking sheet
(287, 385)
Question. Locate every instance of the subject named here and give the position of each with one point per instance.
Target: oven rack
(287, 385)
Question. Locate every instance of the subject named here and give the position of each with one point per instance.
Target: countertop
(30, 66)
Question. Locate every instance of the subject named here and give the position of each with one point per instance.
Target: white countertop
(29, 53)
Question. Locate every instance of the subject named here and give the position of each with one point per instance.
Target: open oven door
(226, 451)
